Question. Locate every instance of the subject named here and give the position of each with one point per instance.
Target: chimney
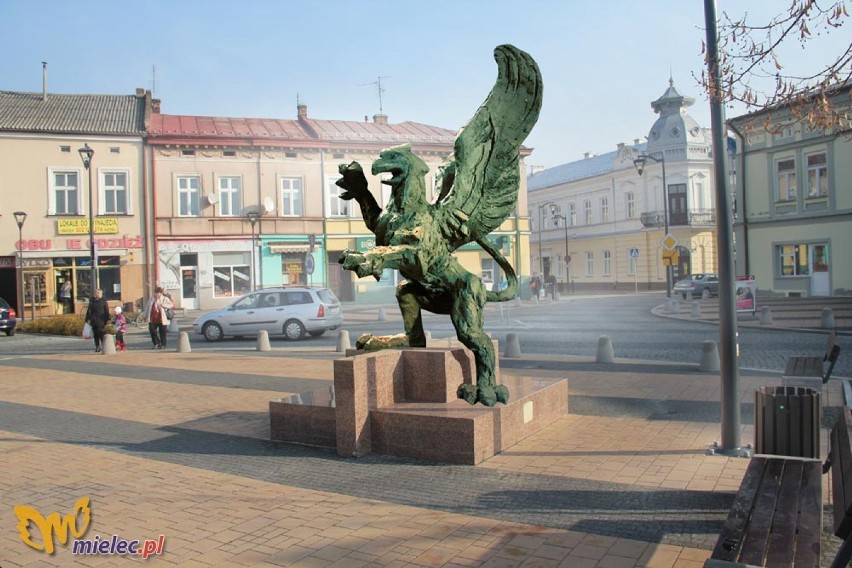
(155, 106)
(302, 111)
(588, 155)
(637, 141)
(44, 80)
(140, 92)
(380, 118)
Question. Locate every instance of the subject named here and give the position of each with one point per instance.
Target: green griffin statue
(479, 190)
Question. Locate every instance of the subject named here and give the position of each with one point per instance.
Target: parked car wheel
(212, 331)
(293, 329)
(317, 333)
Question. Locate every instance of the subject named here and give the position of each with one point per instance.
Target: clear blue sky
(602, 62)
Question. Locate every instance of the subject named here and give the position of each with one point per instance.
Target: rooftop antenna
(380, 90)
(153, 80)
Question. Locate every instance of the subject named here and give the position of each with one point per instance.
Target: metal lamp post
(640, 167)
(20, 217)
(86, 153)
(552, 205)
(253, 216)
(556, 217)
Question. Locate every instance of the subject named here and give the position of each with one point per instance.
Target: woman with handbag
(157, 310)
(97, 316)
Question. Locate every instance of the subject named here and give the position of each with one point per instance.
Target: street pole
(540, 236)
(252, 217)
(727, 302)
(639, 162)
(86, 154)
(20, 217)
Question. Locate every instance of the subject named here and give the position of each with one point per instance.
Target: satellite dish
(268, 205)
(212, 198)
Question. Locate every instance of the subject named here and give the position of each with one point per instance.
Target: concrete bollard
(343, 341)
(827, 320)
(428, 335)
(108, 344)
(173, 326)
(382, 315)
(605, 353)
(513, 346)
(696, 310)
(765, 315)
(709, 356)
(183, 343)
(689, 295)
(263, 341)
(518, 301)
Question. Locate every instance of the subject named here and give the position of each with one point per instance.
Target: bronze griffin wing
(481, 180)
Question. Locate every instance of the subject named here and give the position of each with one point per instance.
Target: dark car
(700, 285)
(8, 318)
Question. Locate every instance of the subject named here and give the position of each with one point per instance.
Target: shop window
(793, 260)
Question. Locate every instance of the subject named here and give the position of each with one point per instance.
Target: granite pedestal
(402, 402)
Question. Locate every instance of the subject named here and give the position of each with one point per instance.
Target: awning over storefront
(278, 248)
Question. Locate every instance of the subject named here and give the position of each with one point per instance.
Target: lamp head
(640, 164)
(253, 216)
(20, 217)
(554, 208)
(86, 153)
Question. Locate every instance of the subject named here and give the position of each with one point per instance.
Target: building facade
(600, 223)
(42, 175)
(244, 203)
(794, 201)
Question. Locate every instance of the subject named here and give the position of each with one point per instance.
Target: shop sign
(80, 244)
(103, 226)
(363, 244)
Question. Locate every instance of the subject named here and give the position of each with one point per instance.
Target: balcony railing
(694, 217)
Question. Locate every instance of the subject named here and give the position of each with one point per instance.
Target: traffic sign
(634, 253)
(671, 257)
(567, 259)
(309, 263)
(669, 242)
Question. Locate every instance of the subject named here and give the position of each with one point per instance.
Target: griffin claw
(489, 396)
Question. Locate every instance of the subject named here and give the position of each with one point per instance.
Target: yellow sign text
(53, 526)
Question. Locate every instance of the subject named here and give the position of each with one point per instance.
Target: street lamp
(86, 153)
(553, 207)
(639, 162)
(253, 216)
(556, 217)
(20, 217)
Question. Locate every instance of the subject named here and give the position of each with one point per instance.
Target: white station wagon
(292, 312)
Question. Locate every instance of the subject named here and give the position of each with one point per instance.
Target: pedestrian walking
(120, 328)
(97, 316)
(65, 298)
(157, 310)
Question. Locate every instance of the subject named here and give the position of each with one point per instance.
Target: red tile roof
(166, 126)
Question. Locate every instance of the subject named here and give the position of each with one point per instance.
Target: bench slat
(782, 535)
(804, 366)
(809, 526)
(731, 538)
(841, 474)
(760, 521)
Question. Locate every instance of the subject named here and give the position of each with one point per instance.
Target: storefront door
(189, 281)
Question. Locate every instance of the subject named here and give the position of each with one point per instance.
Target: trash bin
(787, 421)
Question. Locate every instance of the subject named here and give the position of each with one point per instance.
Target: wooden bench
(840, 463)
(815, 369)
(776, 518)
